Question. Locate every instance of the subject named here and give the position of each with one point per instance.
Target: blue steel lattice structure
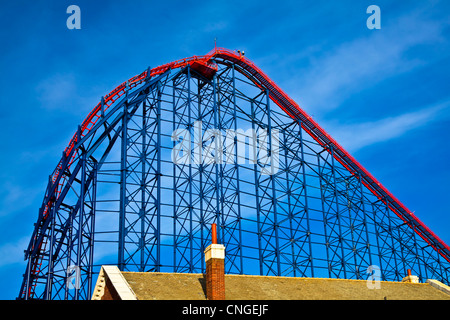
(126, 193)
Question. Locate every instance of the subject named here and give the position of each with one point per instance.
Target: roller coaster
(117, 197)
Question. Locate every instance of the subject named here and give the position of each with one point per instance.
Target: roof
(188, 286)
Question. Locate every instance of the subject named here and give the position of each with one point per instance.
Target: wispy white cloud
(339, 73)
(354, 136)
(65, 93)
(13, 252)
(15, 198)
(54, 91)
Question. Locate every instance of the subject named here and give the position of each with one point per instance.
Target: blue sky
(383, 94)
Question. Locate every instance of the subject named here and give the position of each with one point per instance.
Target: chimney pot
(215, 268)
(214, 233)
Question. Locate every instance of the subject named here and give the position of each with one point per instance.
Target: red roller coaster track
(279, 97)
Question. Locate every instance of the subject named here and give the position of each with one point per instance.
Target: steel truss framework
(118, 197)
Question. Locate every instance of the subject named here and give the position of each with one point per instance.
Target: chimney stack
(410, 278)
(215, 268)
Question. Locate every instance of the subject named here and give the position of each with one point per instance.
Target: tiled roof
(184, 286)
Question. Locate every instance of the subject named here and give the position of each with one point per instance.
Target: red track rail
(279, 97)
(340, 154)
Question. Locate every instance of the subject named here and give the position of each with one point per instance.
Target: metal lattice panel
(182, 150)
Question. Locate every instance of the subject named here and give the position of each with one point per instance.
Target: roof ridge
(263, 276)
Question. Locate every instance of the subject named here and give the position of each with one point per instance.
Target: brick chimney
(215, 268)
